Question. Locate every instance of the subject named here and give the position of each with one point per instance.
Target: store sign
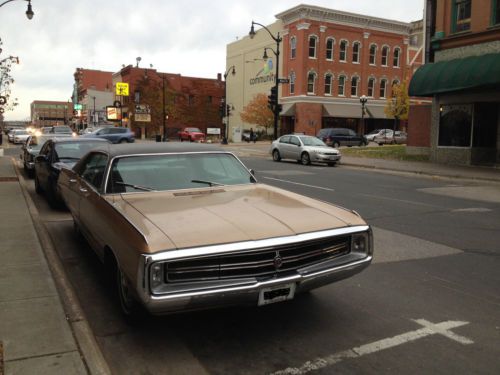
(121, 88)
(265, 74)
(142, 113)
(213, 131)
(113, 113)
(77, 106)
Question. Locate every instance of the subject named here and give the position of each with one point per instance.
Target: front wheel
(123, 141)
(130, 306)
(305, 159)
(276, 155)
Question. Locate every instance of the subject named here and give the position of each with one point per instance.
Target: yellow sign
(122, 88)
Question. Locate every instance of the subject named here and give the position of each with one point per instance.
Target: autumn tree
(257, 112)
(398, 105)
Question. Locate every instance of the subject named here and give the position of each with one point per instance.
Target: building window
(329, 48)
(354, 86)
(461, 15)
(371, 85)
(341, 85)
(292, 83)
(293, 47)
(496, 12)
(355, 52)
(328, 84)
(373, 54)
(455, 125)
(397, 53)
(343, 50)
(312, 46)
(209, 99)
(191, 100)
(385, 52)
(383, 88)
(311, 78)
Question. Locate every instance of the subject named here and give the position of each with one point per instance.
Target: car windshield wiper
(138, 187)
(209, 183)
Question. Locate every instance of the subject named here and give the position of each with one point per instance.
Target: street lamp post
(277, 39)
(164, 110)
(363, 101)
(93, 113)
(231, 69)
(29, 11)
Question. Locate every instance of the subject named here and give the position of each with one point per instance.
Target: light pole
(277, 39)
(29, 11)
(231, 69)
(164, 110)
(93, 113)
(363, 101)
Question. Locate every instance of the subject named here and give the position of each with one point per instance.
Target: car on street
(192, 135)
(188, 226)
(19, 136)
(61, 130)
(305, 149)
(56, 154)
(30, 150)
(112, 134)
(376, 133)
(391, 137)
(337, 137)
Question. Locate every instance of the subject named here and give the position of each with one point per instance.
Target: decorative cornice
(315, 13)
(322, 28)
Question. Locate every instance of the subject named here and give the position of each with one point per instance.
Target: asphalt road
(430, 303)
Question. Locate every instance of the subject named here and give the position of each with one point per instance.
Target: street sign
(78, 107)
(121, 88)
(283, 80)
(213, 131)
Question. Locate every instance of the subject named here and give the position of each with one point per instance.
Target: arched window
(354, 85)
(383, 88)
(355, 52)
(292, 83)
(385, 54)
(293, 47)
(329, 48)
(343, 50)
(373, 54)
(313, 41)
(371, 85)
(397, 53)
(328, 84)
(341, 86)
(311, 80)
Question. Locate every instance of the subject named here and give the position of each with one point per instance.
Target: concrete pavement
(42, 328)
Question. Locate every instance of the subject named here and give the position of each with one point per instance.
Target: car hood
(209, 216)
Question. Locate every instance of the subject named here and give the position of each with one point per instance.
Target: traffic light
(228, 110)
(221, 110)
(272, 99)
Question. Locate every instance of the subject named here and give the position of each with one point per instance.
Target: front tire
(123, 141)
(276, 155)
(128, 303)
(305, 159)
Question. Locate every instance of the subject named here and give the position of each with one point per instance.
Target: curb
(85, 340)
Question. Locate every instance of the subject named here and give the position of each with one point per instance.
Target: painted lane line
(428, 329)
(298, 183)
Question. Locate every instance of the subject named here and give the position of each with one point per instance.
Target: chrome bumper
(245, 291)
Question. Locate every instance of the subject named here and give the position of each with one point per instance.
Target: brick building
(462, 74)
(184, 101)
(50, 113)
(332, 58)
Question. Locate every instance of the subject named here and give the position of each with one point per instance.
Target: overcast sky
(187, 36)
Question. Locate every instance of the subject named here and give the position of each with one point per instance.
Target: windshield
(374, 131)
(21, 132)
(62, 129)
(312, 141)
(74, 150)
(36, 143)
(193, 130)
(172, 172)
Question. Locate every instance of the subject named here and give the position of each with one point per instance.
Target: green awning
(456, 75)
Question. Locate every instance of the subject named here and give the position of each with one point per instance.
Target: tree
(257, 112)
(6, 80)
(398, 105)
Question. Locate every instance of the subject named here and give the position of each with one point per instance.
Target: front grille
(259, 263)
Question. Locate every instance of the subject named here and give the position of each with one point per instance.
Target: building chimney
(219, 76)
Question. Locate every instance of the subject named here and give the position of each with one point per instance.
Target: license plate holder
(277, 293)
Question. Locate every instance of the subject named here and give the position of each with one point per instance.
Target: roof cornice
(315, 13)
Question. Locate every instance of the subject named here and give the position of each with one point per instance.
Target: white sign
(213, 131)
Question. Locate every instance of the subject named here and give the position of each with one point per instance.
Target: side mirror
(41, 158)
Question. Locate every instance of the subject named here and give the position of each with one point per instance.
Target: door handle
(83, 190)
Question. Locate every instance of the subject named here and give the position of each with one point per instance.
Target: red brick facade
(91, 79)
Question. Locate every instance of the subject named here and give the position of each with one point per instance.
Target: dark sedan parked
(30, 151)
(336, 137)
(57, 153)
(112, 134)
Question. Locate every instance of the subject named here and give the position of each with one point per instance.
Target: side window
(93, 169)
(351, 133)
(285, 139)
(294, 141)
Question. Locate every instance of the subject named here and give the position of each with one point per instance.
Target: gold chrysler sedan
(188, 226)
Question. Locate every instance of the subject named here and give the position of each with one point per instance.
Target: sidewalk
(36, 334)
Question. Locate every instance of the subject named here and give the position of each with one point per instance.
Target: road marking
(298, 183)
(428, 329)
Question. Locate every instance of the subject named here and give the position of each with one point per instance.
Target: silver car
(305, 149)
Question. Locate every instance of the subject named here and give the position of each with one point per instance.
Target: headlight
(73, 134)
(156, 275)
(361, 243)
